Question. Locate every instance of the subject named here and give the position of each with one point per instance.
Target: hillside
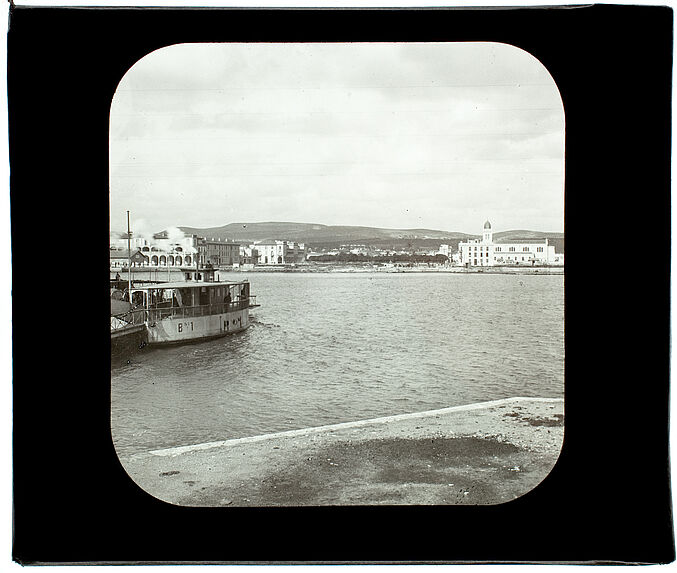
(331, 236)
(314, 233)
(522, 234)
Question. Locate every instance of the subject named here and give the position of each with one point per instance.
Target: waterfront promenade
(160, 273)
(485, 453)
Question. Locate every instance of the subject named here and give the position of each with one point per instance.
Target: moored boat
(154, 313)
(189, 310)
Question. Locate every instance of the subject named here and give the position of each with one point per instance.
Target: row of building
(167, 250)
(483, 252)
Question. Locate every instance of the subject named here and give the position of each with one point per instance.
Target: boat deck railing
(141, 315)
(155, 314)
(126, 319)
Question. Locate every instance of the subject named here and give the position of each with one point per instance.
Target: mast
(196, 296)
(197, 258)
(129, 259)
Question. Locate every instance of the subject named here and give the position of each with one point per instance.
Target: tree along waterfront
(394, 258)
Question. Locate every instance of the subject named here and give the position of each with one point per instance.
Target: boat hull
(126, 342)
(177, 329)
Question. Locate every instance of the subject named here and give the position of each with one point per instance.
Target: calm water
(328, 348)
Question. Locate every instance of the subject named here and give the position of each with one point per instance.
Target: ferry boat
(183, 311)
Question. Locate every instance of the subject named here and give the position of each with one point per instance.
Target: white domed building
(486, 252)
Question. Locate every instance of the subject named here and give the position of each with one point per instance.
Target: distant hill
(521, 234)
(330, 236)
(314, 233)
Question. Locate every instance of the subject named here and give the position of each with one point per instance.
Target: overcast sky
(440, 136)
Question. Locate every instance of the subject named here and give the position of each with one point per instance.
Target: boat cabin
(185, 299)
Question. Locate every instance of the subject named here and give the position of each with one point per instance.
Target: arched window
(163, 260)
(188, 260)
(178, 261)
(153, 260)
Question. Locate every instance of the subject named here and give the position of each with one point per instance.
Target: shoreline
(483, 453)
(365, 270)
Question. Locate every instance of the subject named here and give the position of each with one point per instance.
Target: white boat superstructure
(192, 310)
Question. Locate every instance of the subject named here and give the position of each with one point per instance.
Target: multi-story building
(486, 252)
(159, 251)
(249, 255)
(179, 250)
(275, 252)
(270, 252)
(175, 257)
(174, 250)
(162, 253)
(218, 253)
(296, 252)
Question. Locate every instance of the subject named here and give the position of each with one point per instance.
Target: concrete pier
(485, 453)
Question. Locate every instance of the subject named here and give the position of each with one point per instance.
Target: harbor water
(325, 348)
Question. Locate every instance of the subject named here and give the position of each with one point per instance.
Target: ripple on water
(328, 348)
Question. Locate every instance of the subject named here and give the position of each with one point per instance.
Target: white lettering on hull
(180, 329)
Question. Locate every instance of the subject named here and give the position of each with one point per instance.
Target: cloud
(205, 134)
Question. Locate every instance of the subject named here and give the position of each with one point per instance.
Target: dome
(487, 225)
